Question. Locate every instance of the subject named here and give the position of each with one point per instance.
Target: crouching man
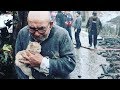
(57, 58)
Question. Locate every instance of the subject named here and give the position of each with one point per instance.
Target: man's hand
(34, 60)
(75, 29)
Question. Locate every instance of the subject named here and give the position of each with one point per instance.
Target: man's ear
(51, 24)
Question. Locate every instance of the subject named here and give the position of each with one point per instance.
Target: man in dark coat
(60, 19)
(57, 57)
(94, 26)
(68, 22)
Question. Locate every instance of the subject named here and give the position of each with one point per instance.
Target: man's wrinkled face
(39, 30)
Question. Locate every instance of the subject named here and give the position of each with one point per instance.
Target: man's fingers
(24, 55)
(24, 62)
(29, 53)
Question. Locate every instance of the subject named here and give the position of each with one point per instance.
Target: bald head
(39, 16)
(40, 24)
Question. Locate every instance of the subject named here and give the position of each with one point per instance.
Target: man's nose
(37, 33)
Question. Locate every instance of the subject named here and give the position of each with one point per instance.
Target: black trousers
(77, 38)
(92, 38)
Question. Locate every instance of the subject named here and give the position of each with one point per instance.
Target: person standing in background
(68, 22)
(60, 19)
(94, 26)
(77, 27)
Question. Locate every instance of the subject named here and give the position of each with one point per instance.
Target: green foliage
(6, 54)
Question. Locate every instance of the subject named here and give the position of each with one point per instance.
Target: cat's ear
(31, 44)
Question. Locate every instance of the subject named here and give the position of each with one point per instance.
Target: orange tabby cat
(33, 47)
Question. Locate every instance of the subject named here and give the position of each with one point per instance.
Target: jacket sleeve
(78, 22)
(88, 23)
(74, 24)
(18, 45)
(100, 24)
(66, 63)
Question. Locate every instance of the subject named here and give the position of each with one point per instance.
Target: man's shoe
(77, 47)
(90, 45)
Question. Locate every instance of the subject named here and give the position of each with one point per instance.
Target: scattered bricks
(106, 76)
(104, 54)
(111, 59)
(104, 67)
(101, 52)
(109, 76)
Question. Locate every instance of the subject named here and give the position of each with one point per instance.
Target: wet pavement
(88, 61)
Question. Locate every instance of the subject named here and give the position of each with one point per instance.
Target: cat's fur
(33, 47)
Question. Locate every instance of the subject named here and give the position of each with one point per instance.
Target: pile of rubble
(111, 51)
(113, 43)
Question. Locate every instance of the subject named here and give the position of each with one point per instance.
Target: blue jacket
(77, 23)
(58, 47)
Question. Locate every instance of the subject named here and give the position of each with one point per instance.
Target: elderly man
(57, 57)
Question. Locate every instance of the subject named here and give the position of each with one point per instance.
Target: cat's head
(34, 47)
